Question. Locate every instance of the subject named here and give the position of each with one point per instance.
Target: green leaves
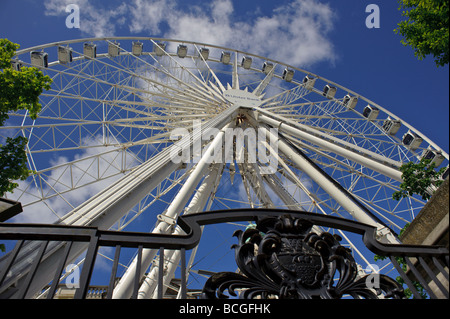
(7, 51)
(426, 28)
(19, 90)
(417, 178)
(13, 163)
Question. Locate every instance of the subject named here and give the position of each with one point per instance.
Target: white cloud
(94, 20)
(82, 175)
(295, 33)
(147, 15)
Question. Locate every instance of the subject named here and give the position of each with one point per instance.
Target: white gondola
(288, 75)
(329, 91)
(371, 112)
(436, 157)
(16, 65)
(411, 140)
(308, 82)
(182, 50)
(267, 67)
(64, 54)
(159, 48)
(246, 62)
(113, 49)
(90, 50)
(445, 174)
(391, 126)
(39, 59)
(350, 101)
(204, 52)
(137, 48)
(225, 57)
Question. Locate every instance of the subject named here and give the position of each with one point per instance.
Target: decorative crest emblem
(282, 258)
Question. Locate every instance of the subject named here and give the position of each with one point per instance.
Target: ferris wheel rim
(109, 39)
(349, 91)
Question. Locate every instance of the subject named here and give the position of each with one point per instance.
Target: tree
(426, 28)
(19, 90)
(417, 178)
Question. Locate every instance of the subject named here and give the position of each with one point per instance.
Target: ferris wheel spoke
(157, 195)
(184, 81)
(210, 71)
(114, 78)
(385, 214)
(377, 142)
(286, 97)
(84, 97)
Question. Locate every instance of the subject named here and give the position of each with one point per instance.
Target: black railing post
(183, 273)
(112, 279)
(137, 275)
(88, 266)
(433, 276)
(419, 278)
(161, 273)
(405, 278)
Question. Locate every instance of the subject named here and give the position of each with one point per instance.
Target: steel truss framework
(102, 146)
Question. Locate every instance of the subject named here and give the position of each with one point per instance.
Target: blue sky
(371, 62)
(328, 38)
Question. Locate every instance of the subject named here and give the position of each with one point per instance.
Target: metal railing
(427, 265)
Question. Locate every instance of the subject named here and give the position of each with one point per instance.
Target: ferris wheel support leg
(198, 202)
(334, 190)
(123, 289)
(358, 157)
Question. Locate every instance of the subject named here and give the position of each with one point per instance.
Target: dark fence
(427, 265)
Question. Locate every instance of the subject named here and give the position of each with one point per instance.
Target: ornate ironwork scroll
(282, 258)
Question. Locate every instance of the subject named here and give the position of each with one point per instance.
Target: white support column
(123, 289)
(172, 257)
(351, 152)
(342, 197)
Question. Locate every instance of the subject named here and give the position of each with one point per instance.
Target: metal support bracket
(166, 219)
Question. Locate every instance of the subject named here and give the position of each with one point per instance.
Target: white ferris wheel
(101, 154)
